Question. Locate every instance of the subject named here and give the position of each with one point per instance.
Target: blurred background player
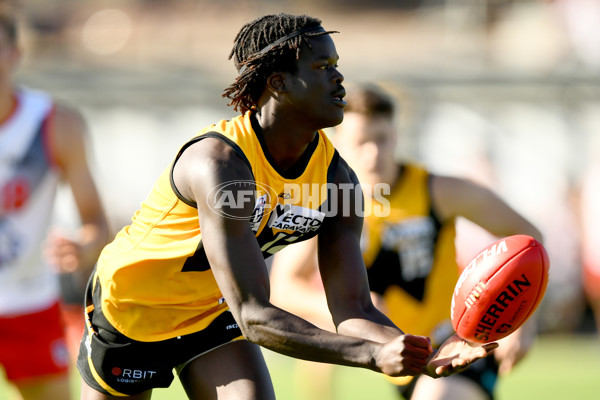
(41, 143)
(410, 253)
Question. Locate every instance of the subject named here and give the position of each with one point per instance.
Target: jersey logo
(14, 194)
(296, 219)
(413, 241)
(262, 203)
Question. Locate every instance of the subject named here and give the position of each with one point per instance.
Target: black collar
(296, 170)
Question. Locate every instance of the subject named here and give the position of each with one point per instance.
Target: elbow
(346, 322)
(251, 320)
(249, 331)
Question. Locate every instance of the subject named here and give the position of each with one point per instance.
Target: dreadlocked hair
(255, 65)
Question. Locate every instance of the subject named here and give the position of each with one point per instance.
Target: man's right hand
(404, 355)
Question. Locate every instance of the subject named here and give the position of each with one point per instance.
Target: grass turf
(558, 367)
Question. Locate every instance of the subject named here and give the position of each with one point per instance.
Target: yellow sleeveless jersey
(155, 278)
(410, 256)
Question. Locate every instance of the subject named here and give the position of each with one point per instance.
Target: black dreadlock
(255, 65)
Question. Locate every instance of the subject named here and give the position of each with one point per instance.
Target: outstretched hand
(456, 354)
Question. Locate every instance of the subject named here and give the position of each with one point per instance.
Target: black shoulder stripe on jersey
(296, 170)
(331, 170)
(215, 135)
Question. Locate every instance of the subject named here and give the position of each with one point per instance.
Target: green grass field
(559, 367)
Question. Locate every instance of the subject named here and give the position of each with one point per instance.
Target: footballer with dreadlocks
(185, 285)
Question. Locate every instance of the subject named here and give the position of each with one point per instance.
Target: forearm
(244, 283)
(285, 333)
(91, 238)
(373, 325)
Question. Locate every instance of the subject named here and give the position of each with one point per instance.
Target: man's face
(368, 143)
(316, 91)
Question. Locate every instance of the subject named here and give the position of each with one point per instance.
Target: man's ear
(276, 82)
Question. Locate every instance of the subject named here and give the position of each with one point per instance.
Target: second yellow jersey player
(410, 256)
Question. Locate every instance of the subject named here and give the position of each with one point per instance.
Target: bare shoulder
(207, 163)
(447, 182)
(344, 173)
(67, 132)
(67, 123)
(207, 156)
(346, 207)
(458, 196)
(450, 187)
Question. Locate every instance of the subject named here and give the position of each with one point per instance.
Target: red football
(500, 289)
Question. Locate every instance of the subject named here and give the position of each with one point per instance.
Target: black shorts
(483, 372)
(114, 364)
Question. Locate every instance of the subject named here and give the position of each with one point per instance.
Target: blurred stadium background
(505, 92)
